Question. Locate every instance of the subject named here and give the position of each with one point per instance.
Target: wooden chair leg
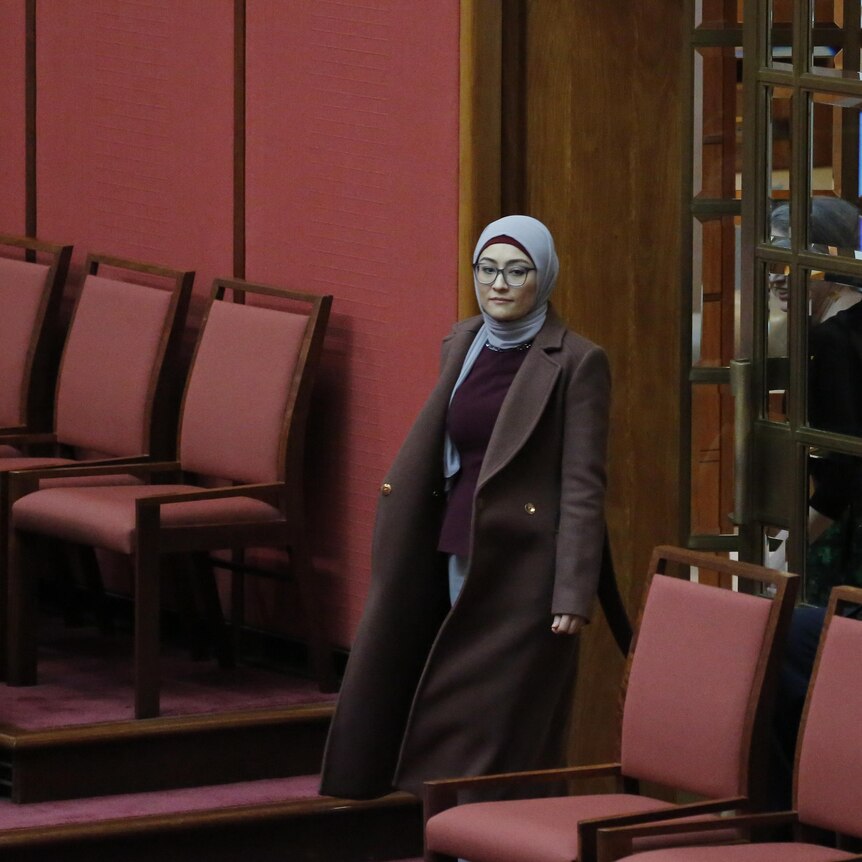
(66, 575)
(22, 609)
(4, 589)
(181, 571)
(206, 593)
(147, 615)
(319, 651)
(85, 566)
(237, 599)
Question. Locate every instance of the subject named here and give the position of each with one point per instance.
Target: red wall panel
(12, 140)
(352, 183)
(135, 129)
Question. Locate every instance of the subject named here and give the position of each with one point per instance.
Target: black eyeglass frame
(502, 272)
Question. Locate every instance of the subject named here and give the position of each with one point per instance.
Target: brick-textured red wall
(351, 137)
(352, 189)
(135, 130)
(12, 185)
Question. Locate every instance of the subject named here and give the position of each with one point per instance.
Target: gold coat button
(530, 509)
(386, 489)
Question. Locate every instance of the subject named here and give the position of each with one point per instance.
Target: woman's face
(498, 300)
(778, 273)
(778, 285)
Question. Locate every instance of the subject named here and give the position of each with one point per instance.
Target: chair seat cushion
(105, 516)
(768, 852)
(9, 452)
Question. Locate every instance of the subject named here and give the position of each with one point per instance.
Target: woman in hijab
(487, 545)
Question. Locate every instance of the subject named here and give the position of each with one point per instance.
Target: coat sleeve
(582, 491)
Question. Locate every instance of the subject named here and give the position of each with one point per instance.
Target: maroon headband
(508, 241)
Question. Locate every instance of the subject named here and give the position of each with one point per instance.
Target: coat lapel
(457, 345)
(526, 399)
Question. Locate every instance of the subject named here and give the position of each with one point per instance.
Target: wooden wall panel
(352, 165)
(603, 143)
(135, 130)
(12, 111)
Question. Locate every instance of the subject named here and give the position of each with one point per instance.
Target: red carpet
(85, 678)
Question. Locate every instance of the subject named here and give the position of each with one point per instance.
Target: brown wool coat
(431, 692)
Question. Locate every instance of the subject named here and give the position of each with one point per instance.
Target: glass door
(801, 222)
(774, 385)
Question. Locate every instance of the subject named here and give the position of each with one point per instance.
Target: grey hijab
(539, 243)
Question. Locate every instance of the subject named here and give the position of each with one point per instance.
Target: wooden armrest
(265, 492)
(22, 482)
(443, 793)
(16, 437)
(615, 841)
(590, 830)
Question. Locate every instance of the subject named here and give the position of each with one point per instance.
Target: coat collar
(527, 396)
(550, 336)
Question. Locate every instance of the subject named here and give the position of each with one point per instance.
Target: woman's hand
(567, 624)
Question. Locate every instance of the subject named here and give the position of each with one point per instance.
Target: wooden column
(600, 165)
(603, 143)
(480, 134)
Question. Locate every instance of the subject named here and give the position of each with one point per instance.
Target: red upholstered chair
(115, 375)
(828, 778)
(32, 276)
(697, 693)
(243, 420)
(115, 363)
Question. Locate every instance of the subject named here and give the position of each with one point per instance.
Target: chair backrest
(32, 276)
(122, 335)
(828, 782)
(698, 670)
(246, 401)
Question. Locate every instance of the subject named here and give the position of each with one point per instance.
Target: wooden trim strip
(239, 148)
(480, 140)
(513, 109)
(19, 739)
(142, 826)
(30, 224)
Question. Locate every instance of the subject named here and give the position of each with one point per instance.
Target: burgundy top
(470, 421)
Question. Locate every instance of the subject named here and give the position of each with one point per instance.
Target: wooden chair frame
(159, 410)
(614, 841)
(155, 540)
(167, 353)
(442, 794)
(44, 350)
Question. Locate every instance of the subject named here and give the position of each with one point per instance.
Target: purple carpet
(86, 678)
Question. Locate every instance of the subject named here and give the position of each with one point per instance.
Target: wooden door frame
(480, 140)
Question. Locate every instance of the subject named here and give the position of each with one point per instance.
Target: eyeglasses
(781, 272)
(514, 274)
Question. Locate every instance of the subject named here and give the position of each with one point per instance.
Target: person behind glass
(835, 352)
(834, 404)
(487, 545)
